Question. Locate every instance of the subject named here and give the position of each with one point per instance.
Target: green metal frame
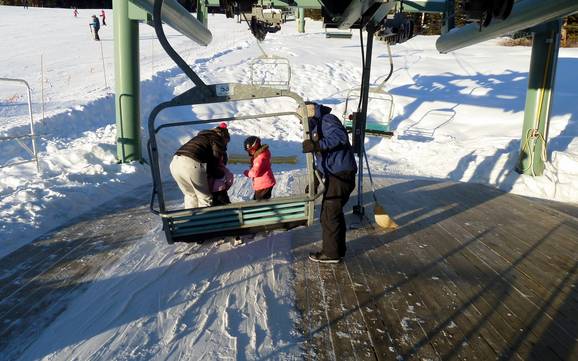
(203, 12)
(127, 81)
(544, 17)
(200, 224)
(449, 16)
(337, 33)
(301, 20)
(373, 95)
(127, 15)
(545, 49)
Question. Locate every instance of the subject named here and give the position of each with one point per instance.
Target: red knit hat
(223, 125)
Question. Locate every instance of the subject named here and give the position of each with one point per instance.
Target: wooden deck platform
(471, 274)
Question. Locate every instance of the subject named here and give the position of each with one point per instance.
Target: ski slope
(457, 116)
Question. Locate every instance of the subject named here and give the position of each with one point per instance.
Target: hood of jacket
(320, 110)
(263, 148)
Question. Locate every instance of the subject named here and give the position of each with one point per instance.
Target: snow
(456, 116)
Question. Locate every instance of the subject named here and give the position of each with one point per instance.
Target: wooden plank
(379, 322)
(495, 265)
(303, 305)
(522, 215)
(447, 329)
(245, 159)
(310, 298)
(415, 313)
(547, 260)
(515, 304)
(481, 272)
(475, 300)
(341, 345)
(383, 283)
(424, 245)
(352, 313)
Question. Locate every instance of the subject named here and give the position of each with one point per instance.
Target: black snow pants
(338, 188)
(263, 194)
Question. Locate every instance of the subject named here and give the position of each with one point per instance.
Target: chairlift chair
(375, 95)
(200, 224)
(335, 33)
(425, 128)
(374, 125)
(270, 71)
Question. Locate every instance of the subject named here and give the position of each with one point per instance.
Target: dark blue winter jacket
(336, 155)
(95, 24)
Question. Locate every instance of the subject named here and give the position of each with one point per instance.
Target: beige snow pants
(191, 177)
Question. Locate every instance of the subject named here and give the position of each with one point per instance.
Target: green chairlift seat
(242, 218)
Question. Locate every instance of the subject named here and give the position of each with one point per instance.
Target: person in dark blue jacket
(95, 24)
(336, 162)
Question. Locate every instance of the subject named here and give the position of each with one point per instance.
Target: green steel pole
(127, 83)
(202, 12)
(449, 17)
(545, 49)
(301, 22)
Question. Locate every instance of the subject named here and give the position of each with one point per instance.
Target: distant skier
(103, 16)
(95, 25)
(75, 12)
(25, 4)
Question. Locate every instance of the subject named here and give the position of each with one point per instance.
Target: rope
(534, 133)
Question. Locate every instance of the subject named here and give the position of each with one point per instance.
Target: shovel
(381, 217)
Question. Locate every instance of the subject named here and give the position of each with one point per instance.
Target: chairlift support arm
(525, 14)
(181, 63)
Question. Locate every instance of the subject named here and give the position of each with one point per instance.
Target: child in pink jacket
(260, 172)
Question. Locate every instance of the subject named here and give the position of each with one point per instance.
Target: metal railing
(18, 138)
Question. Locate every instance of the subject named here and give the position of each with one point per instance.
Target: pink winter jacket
(260, 171)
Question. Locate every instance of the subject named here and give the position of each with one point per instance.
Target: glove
(310, 146)
(246, 173)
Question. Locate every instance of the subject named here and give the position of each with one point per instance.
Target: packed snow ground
(456, 116)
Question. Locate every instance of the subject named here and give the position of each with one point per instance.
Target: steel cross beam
(525, 14)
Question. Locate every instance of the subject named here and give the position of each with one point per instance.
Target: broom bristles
(382, 218)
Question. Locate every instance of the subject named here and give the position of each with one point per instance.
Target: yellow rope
(534, 133)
